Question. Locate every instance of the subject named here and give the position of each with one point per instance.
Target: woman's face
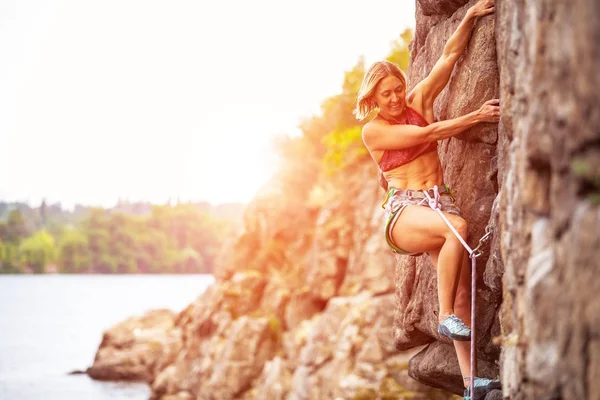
(390, 96)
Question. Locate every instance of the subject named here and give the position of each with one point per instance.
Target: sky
(146, 100)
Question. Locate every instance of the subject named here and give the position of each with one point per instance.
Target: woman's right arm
(378, 135)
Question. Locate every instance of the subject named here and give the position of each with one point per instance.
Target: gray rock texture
(549, 158)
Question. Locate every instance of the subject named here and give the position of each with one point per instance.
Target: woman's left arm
(430, 87)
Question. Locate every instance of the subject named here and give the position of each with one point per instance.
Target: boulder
(138, 348)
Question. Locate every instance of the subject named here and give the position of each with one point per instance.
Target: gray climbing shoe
(482, 387)
(455, 329)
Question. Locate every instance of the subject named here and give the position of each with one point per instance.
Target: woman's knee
(460, 225)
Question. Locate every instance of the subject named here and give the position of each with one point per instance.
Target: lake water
(53, 324)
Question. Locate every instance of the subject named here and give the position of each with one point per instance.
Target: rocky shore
(324, 333)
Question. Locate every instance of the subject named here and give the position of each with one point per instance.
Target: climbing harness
(473, 254)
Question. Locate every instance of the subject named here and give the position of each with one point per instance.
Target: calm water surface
(53, 324)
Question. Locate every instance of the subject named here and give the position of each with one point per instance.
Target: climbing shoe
(482, 387)
(455, 329)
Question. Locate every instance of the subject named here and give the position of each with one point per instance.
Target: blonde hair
(376, 72)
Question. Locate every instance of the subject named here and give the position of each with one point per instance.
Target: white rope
(473, 254)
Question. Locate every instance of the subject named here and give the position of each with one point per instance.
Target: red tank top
(394, 158)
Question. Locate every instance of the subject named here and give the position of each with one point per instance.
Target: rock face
(549, 153)
(138, 348)
(471, 170)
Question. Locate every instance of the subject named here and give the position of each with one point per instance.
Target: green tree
(3, 231)
(2, 253)
(37, 251)
(188, 231)
(190, 261)
(10, 263)
(43, 213)
(73, 252)
(15, 227)
(156, 252)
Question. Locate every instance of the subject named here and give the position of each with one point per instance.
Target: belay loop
(434, 201)
(434, 204)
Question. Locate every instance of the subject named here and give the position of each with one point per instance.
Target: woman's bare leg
(462, 309)
(420, 229)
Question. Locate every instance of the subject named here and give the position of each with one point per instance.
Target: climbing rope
(434, 204)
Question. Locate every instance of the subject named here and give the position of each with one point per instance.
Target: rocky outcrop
(345, 352)
(302, 308)
(307, 314)
(549, 153)
(137, 348)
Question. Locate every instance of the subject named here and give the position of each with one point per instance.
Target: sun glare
(148, 100)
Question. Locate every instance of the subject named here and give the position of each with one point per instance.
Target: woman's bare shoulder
(371, 130)
(374, 124)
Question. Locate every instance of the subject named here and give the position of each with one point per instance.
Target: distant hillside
(128, 238)
(53, 214)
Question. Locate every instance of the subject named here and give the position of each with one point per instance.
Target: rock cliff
(537, 179)
(549, 159)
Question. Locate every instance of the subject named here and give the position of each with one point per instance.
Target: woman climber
(402, 140)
